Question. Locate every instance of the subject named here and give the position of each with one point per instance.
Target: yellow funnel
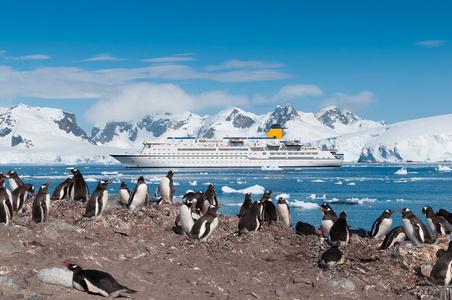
(276, 132)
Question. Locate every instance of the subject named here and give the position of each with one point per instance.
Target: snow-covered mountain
(43, 135)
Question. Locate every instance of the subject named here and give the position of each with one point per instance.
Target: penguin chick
(97, 282)
(331, 257)
(205, 226)
(98, 200)
(41, 205)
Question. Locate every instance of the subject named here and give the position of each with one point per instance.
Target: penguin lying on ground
(328, 219)
(284, 212)
(437, 224)
(21, 195)
(41, 205)
(79, 189)
(251, 220)
(97, 282)
(139, 197)
(442, 270)
(124, 194)
(268, 211)
(205, 226)
(14, 180)
(395, 235)
(414, 229)
(382, 225)
(98, 200)
(62, 191)
(339, 233)
(331, 257)
(305, 229)
(246, 205)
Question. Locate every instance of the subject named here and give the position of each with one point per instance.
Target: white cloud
(138, 100)
(244, 64)
(431, 43)
(30, 57)
(352, 102)
(181, 57)
(294, 91)
(103, 57)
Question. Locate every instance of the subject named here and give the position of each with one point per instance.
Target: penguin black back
(250, 221)
(20, 194)
(332, 256)
(395, 235)
(269, 212)
(305, 229)
(62, 190)
(246, 205)
(211, 195)
(441, 273)
(339, 233)
(80, 187)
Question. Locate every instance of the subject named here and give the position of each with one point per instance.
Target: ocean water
(362, 190)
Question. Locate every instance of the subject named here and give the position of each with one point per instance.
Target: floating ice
(283, 195)
(232, 204)
(361, 201)
(90, 179)
(400, 200)
(401, 171)
(193, 183)
(312, 197)
(241, 182)
(255, 189)
(318, 180)
(338, 183)
(441, 168)
(351, 183)
(106, 173)
(271, 168)
(302, 204)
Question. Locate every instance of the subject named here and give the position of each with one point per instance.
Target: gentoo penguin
(251, 221)
(184, 221)
(442, 270)
(305, 229)
(382, 224)
(205, 226)
(414, 229)
(339, 234)
(41, 205)
(395, 235)
(437, 224)
(98, 200)
(139, 197)
(14, 180)
(62, 190)
(328, 219)
(201, 204)
(5, 206)
(445, 214)
(331, 257)
(284, 212)
(21, 194)
(97, 282)
(80, 190)
(8, 197)
(268, 210)
(211, 195)
(166, 188)
(124, 194)
(194, 198)
(246, 205)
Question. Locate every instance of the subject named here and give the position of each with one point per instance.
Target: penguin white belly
(7, 212)
(431, 226)
(186, 219)
(12, 184)
(47, 205)
(10, 197)
(165, 190)
(139, 198)
(124, 196)
(283, 213)
(213, 225)
(325, 227)
(448, 274)
(61, 194)
(104, 202)
(384, 228)
(409, 231)
(94, 289)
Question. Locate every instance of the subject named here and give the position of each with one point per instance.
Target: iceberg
(255, 189)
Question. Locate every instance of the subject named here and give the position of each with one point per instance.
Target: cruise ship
(271, 151)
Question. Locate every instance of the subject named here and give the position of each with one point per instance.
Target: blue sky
(104, 60)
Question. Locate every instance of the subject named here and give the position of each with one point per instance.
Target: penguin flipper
(178, 229)
(375, 227)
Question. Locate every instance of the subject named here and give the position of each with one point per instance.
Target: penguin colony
(198, 218)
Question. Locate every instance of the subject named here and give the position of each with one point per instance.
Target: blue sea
(362, 190)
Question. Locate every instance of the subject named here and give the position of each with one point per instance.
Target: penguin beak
(66, 263)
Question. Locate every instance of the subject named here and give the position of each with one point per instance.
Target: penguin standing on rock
(124, 194)
(8, 197)
(251, 220)
(328, 219)
(14, 180)
(442, 270)
(269, 212)
(382, 225)
(331, 257)
(194, 198)
(184, 221)
(21, 194)
(166, 188)
(5, 206)
(284, 212)
(445, 214)
(211, 195)
(98, 200)
(246, 205)
(139, 197)
(339, 233)
(41, 205)
(437, 224)
(414, 229)
(62, 191)
(80, 190)
(206, 225)
(97, 282)
(395, 235)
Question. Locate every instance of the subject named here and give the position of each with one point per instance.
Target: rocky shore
(142, 252)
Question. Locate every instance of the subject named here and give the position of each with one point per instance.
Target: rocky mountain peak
(333, 115)
(281, 115)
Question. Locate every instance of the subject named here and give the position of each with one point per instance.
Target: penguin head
(11, 173)
(387, 213)
(123, 185)
(75, 171)
(140, 180)
(170, 174)
(325, 207)
(103, 184)
(43, 188)
(71, 266)
(426, 210)
(343, 215)
(211, 187)
(406, 212)
(282, 200)
(248, 196)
